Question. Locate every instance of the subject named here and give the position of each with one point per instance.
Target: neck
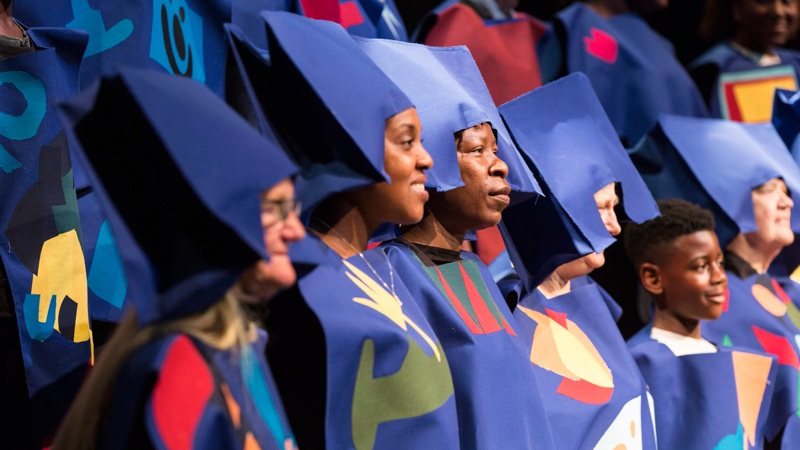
(607, 8)
(7, 25)
(753, 46)
(664, 320)
(342, 227)
(554, 286)
(431, 232)
(758, 258)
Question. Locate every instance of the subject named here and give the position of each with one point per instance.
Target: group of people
(280, 241)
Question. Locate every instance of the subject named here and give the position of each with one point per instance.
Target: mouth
(717, 298)
(502, 194)
(419, 187)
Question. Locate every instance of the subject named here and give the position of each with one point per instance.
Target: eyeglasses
(279, 210)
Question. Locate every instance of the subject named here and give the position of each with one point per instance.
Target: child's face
(692, 277)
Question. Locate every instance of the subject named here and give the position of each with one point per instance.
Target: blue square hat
(569, 142)
(450, 95)
(716, 163)
(179, 174)
(327, 101)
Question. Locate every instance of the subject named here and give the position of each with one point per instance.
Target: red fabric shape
(778, 346)
(507, 327)
(727, 302)
(462, 312)
(601, 45)
(490, 244)
(321, 9)
(560, 318)
(485, 317)
(350, 14)
(583, 391)
(184, 386)
(781, 293)
(504, 52)
(733, 106)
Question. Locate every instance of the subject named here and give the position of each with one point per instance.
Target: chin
(281, 274)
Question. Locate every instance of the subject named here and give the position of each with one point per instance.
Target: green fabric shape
(726, 341)
(420, 386)
(732, 441)
(452, 273)
(793, 313)
(67, 216)
(474, 272)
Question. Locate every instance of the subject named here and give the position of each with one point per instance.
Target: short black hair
(646, 242)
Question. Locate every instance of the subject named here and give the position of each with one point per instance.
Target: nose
(293, 230)
(424, 160)
(785, 201)
(718, 273)
(611, 222)
(498, 168)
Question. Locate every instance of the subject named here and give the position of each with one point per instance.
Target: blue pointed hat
(716, 164)
(448, 90)
(328, 103)
(786, 119)
(180, 175)
(567, 138)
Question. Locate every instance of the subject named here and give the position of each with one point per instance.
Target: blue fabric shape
(381, 20)
(173, 269)
(786, 119)
(106, 275)
(574, 151)
(38, 330)
(257, 387)
(7, 162)
(25, 125)
(177, 39)
(91, 21)
(448, 90)
(732, 441)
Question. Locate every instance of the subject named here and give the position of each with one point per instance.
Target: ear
(650, 276)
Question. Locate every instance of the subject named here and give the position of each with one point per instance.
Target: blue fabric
(388, 381)
(786, 120)
(574, 152)
(738, 326)
(495, 388)
(725, 60)
(696, 399)
(447, 88)
(214, 194)
(329, 104)
(575, 422)
(642, 80)
(381, 20)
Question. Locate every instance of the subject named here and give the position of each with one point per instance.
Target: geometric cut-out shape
(233, 406)
(257, 387)
(39, 328)
(107, 275)
(768, 300)
(625, 431)
(778, 346)
(751, 374)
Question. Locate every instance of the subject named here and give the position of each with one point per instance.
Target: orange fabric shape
(583, 391)
(505, 52)
(768, 300)
(778, 346)
(747, 96)
(750, 372)
(184, 386)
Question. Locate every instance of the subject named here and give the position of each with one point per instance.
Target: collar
(738, 266)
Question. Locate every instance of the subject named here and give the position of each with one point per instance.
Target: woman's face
(402, 199)
(772, 208)
(762, 25)
(282, 226)
(480, 202)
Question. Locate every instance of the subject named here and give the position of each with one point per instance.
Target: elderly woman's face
(764, 24)
(772, 208)
(281, 227)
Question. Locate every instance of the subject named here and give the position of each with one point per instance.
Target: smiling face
(402, 199)
(762, 25)
(692, 280)
(282, 226)
(772, 208)
(480, 202)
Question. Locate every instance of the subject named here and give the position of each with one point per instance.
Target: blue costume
(716, 164)
(707, 400)
(355, 360)
(736, 87)
(593, 393)
(495, 389)
(632, 68)
(176, 390)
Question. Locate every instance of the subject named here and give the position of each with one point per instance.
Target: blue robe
(582, 411)
(495, 388)
(632, 68)
(387, 383)
(723, 61)
(177, 392)
(764, 325)
(697, 401)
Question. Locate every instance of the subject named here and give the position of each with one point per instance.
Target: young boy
(705, 396)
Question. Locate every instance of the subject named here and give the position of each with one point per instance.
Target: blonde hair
(221, 326)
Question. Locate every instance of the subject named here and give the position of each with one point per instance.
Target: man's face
(480, 202)
(692, 277)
